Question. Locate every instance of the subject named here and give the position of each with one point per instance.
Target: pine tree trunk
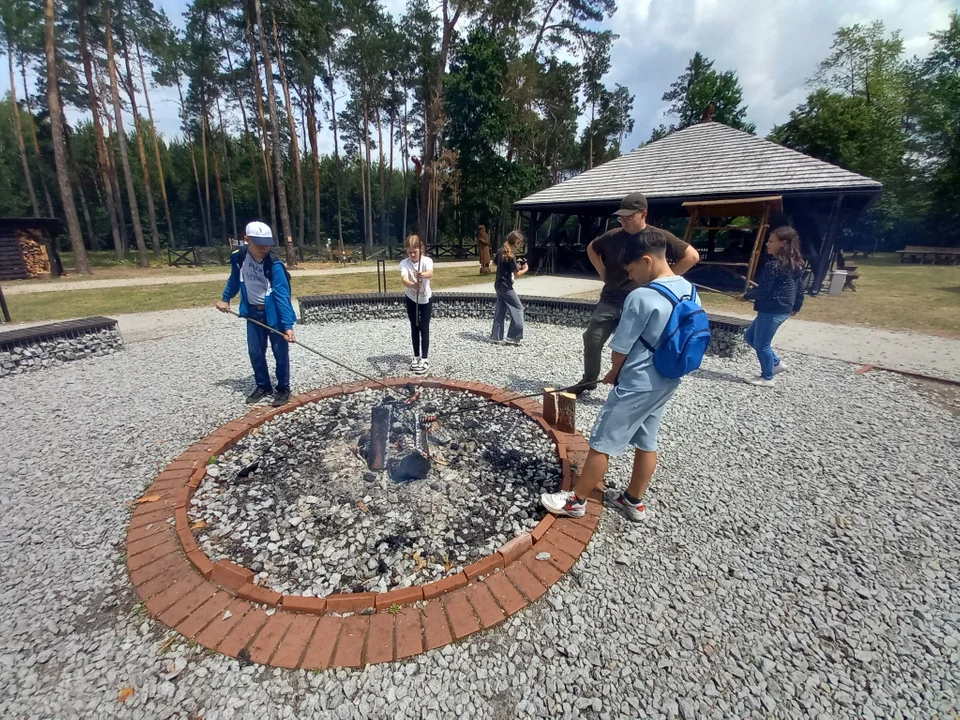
(109, 147)
(405, 151)
(193, 160)
(315, 150)
(368, 194)
(80, 262)
(21, 146)
(122, 139)
(383, 182)
(279, 181)
(226, 160)
(363, 196)
(206, 166)
(243, 112)
(294, 142)
(141, 148)
(265, 152)
(156, 151)
(102, 161)
(75, 174)
(223, 206)
(431, 131)
(36, 142)
(336, 152)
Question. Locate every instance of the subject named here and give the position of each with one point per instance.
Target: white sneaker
(781, 368)
(415, 364)
(562, 504)
(637, 513)
(510, 341)
(424, 366)
(760, 382)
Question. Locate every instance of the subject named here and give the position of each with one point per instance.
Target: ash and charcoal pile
(297, 503)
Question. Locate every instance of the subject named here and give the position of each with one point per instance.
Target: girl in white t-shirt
(415, 271)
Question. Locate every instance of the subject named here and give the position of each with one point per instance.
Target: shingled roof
(704, 161)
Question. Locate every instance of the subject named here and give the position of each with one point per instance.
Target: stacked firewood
(34, 255)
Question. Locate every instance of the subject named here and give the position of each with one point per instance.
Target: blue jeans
(257, 348)
(759, 336)
(508, 302)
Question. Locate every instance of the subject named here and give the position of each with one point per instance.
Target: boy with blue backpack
(663, 335)
(264, 287)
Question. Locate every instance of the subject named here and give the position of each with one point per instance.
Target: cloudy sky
(773, 46)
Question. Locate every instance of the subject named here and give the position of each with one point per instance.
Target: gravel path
(185, 278)
(800, 562)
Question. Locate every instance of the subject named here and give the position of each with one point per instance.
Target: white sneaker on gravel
(760, 382)
(780, 368)
(424, 366)
(562, 504)
(637, 512)
(415, 364)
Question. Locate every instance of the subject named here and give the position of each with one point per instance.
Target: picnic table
(919, 254)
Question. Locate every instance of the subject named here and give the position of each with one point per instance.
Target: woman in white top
(415, 271)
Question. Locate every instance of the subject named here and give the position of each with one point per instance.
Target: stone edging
(218, 606)
(726, 332)
(40, 346)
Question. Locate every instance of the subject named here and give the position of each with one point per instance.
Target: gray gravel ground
(800, 562)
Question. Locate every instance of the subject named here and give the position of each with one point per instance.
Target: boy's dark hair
(647, 242)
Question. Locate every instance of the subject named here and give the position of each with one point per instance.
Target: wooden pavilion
(732, 186)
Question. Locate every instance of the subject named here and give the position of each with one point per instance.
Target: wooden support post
(566, 412)
(757, 244)
(550, 406)
(3, 307)
(379, 437)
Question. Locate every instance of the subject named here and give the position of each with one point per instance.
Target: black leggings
(420, 332)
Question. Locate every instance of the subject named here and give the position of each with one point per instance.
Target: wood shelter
(27, 247)
(760, 209)
(702, 163)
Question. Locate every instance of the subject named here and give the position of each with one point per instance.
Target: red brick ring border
(185, 591)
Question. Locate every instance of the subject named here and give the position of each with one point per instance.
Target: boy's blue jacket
(276, 303)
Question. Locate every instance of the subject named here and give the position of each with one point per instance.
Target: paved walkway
(905, 351)
(537, 286)
(192, 277)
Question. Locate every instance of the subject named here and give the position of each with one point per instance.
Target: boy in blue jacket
(264, 287)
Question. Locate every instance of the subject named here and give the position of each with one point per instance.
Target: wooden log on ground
(550, 406)
(379, 437)
(566, 412)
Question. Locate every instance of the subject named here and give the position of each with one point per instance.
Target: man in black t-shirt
(604, 253)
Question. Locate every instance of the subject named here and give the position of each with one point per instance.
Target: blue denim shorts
(630, 418)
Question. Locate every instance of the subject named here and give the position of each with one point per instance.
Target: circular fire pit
(274, 541)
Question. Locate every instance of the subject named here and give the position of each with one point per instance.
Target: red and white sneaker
(636, 512)
(563, 504)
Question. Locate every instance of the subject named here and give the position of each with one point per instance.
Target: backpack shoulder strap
(665, 291)
(241, 253)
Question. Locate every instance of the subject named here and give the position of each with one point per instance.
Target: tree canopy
(439, 119)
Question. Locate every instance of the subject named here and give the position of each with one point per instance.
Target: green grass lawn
(114, 301)
(921, 298)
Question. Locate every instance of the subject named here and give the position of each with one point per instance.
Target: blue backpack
(685, 338)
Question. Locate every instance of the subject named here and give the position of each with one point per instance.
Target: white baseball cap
(259, 232)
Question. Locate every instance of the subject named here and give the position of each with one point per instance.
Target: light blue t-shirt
(254, 279)
(645, 312)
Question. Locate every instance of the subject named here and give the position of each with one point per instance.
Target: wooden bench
(917, 253)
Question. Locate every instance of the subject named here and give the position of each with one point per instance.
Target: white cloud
(773, 46)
